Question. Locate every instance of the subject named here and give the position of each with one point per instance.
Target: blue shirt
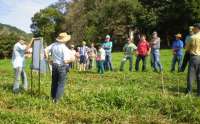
(18, 55)
(107, 46)
(178, 46)
(59, 53)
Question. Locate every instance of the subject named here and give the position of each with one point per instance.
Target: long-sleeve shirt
(177, 47)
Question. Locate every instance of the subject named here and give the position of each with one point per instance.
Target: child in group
(143, 50)
(100, 59)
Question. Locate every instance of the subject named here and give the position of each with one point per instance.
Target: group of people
(85, 57)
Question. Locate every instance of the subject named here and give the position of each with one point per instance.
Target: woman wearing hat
(177, 47)
(61, 56)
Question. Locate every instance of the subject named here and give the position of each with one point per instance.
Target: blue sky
(18, 13)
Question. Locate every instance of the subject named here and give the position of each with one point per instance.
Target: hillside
(8, 35)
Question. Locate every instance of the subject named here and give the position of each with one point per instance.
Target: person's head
(191, 28)
(92, 44)
(21, 40)
(78, 49)
(107, 38)
(143, 37)
(99, 46)
(196, 28)
(154, 34)
(63, 37)
(129, 40)
(72, 46)
(83, 43)
(178, 36)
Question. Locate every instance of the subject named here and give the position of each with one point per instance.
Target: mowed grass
(114, 97)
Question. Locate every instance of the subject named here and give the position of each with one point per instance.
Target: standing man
(128, 49)
(187, 54)
(107, 46)
(92, 56)
(18, 62)
(83, 56)
(61, 57)
(177, 47)
(193, 46)
(143, 50)
(155, 52)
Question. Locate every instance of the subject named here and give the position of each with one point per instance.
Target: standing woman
(18, 62)
(61, 57)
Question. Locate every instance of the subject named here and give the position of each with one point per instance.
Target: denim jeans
(193, 73)
(186, 59)
(156, 60)
(59, 73)
(175, 59)
(100, 67)
(108, 62)
(20, 74)
(130, 58)
(143, 58)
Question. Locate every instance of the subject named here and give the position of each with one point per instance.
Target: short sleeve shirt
(59, 52)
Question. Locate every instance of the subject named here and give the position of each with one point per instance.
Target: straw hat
(178, 35)
(63, 37)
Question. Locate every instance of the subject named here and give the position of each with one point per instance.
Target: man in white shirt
(61, 57)
(18, 62)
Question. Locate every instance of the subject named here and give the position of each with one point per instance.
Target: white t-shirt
(18, 55)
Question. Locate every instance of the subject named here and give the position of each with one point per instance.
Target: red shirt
(143, 48)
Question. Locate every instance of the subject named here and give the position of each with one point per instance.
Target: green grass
(116, 97)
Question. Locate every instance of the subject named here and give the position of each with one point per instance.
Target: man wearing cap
(187, 54)
(177, 47)
(18, 62)
(193, 46)
(107, 46)
(128, 49)
(61, 57)
(155, 52)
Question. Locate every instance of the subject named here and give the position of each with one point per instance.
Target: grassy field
(116, 97)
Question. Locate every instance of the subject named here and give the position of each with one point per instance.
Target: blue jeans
(130, 58)
(100, 68)
(20, 73)
(175, 59)
(156, 60)
(193, 73)
(59, 73)
(108, 62)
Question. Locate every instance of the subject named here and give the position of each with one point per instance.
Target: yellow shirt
(193, 44)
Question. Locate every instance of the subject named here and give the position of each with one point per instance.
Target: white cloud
(19, 12)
